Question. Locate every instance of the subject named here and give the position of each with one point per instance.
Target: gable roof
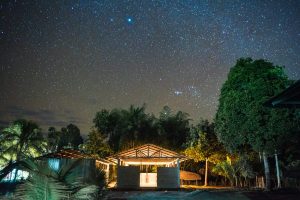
(147, 151)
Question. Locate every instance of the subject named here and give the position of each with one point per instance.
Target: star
(178, 93)
(129, 20)
(118, 53)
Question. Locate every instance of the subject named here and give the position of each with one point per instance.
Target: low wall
(128, 177)
(168, 178)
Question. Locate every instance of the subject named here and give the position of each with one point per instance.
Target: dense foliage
(96, 145)
(68, 137)
(128, 128)
(20, 140)
(46, 183)
(242, 121)
(204, 146)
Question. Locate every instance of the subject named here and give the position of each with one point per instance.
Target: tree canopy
(20, 140)
(96, 145)
(203, 145)
(126, 128)
(68, 137)
(241, 118)
(242, 122)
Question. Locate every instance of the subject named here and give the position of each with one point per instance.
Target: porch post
(107, 173)
(178, 170)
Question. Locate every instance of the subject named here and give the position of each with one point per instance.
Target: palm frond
(41, 187)
(86, 192)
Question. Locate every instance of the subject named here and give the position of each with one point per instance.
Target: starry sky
(62, 61)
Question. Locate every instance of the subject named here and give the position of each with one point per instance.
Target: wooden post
(178, 168)
(107, 173)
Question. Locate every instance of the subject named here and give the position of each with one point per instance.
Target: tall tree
(70, 137)
(96, 145)
(173, 128)
(125, 128)
(111, 125)
(134, 117)
(241, 118)
(53, 139)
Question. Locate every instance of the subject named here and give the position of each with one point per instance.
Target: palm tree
(174, 128)
(46, 183)
(22, 139)
(235, 171)
(134, 117)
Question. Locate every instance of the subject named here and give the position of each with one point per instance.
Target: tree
(204, 146)
(111, 125)
(53, 139)
(126, 128)
(96, 145)
(173, 128)
(235, 170)
(74, 137)
(133, 117)
(70, 137)
(242, 120)
(20, 140)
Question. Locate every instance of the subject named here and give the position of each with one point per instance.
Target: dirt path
(203, 195)
(174, 195)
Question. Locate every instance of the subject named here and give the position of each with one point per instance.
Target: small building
(148, 166)
(87, 163)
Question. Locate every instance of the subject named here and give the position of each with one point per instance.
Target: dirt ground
(203, 194)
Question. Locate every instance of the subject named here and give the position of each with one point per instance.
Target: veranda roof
(147, 153)
(289, 98)
(73, 154)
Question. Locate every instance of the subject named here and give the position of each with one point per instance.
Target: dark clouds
(45, 118)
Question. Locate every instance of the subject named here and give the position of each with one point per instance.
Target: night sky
(62, 61)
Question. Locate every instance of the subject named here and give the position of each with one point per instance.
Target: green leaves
(96, 145)
(126, 128)
(44, 183)
(204, 143)
(20, 140)
(241, 118)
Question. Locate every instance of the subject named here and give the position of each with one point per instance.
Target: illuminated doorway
(148, 179)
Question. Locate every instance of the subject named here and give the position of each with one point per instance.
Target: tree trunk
(277, 171)
(267, 172)
(206, 169)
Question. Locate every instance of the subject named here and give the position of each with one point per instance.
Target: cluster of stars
(83, 56)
